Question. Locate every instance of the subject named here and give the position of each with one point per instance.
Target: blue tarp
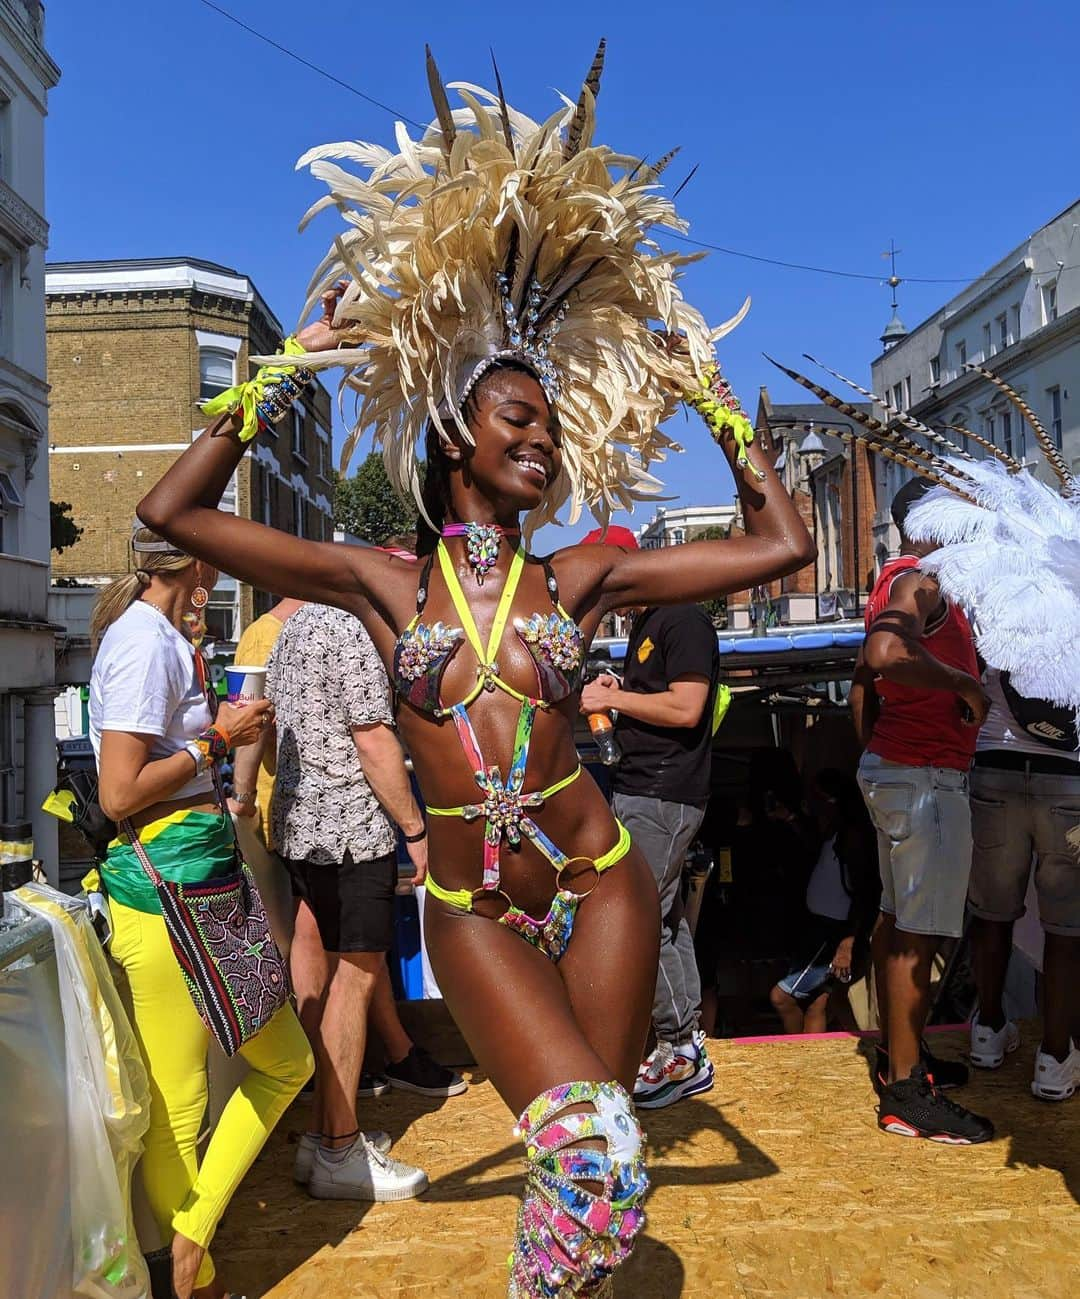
(774, 643)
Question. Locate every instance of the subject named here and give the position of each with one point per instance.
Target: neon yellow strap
(245, 396)
(461, 605)
(544, 793)
(462, 899)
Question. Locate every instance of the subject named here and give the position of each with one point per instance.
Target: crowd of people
(516, 351)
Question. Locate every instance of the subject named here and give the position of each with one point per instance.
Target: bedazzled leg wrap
(570, 1239)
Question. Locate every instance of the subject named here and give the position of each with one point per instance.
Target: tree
(367, 505)
(715, 609)
(63, 530)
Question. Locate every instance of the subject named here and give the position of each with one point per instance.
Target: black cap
(907, 498)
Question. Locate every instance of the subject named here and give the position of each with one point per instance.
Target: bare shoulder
(914, 589)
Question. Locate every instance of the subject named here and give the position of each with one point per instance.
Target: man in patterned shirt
(341, 785)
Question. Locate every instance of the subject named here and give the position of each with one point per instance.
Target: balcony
(24, 589)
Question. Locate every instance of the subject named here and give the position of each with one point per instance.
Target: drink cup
(244, 684)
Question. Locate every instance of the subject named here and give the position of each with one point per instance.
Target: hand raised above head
(322, 335)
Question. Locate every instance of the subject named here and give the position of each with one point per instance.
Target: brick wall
(124, 371)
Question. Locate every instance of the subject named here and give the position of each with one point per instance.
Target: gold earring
(199, 597)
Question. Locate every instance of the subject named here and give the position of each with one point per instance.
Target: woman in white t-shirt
(154, 739)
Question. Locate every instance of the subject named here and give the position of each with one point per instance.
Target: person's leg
(384, 1021)
(310, 967)
(816, 1018)
(663, 833)
(1061, 978)
(991, 947)
(907, 982)
(173, 1042)
(551, 1049)
(789, 1010)
(880, 945)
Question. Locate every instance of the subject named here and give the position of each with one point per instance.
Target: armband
(266, 399)
(718, 406)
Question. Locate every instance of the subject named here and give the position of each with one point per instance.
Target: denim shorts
(1015, 817)
(923, 822)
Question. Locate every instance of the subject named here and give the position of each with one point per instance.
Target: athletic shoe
(364, 1174)
(1056, 1080)
(675, 1073)
(373, 1084)
(989, 1048)
(418, 1072)
(645, 1065)
(914, 1107)
(943, 1074)
(308, 1144)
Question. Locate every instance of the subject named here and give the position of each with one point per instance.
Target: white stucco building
(27, 639)
(675, 527)
(1022, 320)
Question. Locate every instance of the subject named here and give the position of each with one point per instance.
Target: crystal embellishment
(421, 646)
(558, 639)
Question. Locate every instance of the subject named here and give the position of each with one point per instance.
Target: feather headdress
(497, 236)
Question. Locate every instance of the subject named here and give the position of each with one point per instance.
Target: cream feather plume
(427, 233)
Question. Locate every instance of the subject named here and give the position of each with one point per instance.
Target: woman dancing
(499, 307)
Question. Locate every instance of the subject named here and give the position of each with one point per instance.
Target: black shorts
(352, 901)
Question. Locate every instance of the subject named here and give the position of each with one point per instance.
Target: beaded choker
(482, 542)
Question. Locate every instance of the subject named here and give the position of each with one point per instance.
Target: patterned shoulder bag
(220, 936)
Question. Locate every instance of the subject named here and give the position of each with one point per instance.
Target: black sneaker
(914, 1107)
(373, 1084)
(943, 1074)
(418, 1072)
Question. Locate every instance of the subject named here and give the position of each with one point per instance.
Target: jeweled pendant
(482, 541)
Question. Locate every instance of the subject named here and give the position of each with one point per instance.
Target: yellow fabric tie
(246, 396)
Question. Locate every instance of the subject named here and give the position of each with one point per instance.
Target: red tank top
(924, 728)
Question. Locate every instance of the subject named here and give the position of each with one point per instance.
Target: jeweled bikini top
(423, 651)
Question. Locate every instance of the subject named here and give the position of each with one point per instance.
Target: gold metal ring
(572, 861)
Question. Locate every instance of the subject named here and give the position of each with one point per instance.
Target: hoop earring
(199, 597)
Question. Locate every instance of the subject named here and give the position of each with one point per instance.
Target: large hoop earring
(199, 597)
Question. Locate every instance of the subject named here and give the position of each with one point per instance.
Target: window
(1055, 415)
(1016, 323)
(961, 356)
(988, 343)
(215, 372)
(10, 500)
(935, 369)
(298, 514)
(298, 433)
(907, 392)
(1006, 432)
(1003, 331)
(221, 614)
(988, 429)
(323, 450)
(1049, 297)
(898, 396)
(678, 536)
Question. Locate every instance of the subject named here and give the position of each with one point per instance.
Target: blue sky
(822, 131)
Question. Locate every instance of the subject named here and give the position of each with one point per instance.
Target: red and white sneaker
(673, 1073)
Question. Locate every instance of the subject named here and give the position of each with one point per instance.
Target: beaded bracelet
(266, 399)
(215, 742)
(718, 406)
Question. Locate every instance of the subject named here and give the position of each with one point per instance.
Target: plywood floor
(775, 1185)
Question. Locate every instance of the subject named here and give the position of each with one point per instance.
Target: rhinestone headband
(527, 343)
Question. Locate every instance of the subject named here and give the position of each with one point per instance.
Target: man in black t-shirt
(661, 787)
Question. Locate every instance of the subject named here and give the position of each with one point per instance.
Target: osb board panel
(775, 1185)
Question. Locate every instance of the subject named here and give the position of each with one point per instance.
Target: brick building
(832, 483)
(133, 347)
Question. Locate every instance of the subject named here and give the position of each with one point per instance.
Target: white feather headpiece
(497, 236)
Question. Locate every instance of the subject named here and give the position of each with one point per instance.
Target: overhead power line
(781, 262)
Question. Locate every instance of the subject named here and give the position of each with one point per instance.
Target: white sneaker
(364, 1174)
(989, 1049)
(647, 1063)
(677, 1071)
(1056, 1080)
(308, 1144)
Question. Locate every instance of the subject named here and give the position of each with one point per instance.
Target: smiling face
(517, 454)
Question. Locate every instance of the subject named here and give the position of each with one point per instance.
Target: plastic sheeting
(82, 1098)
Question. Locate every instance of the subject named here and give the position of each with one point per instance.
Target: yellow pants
(186, 1196)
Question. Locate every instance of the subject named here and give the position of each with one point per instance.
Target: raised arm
(183, 508)
(776, 543)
